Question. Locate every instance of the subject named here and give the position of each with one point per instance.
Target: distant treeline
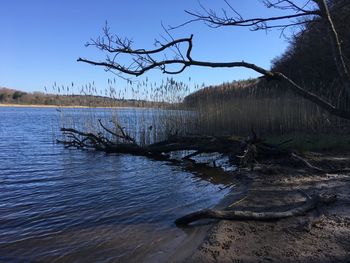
(11, 96)
(269, 106)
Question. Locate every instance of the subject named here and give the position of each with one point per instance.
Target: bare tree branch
(212, 19)
(144, 60)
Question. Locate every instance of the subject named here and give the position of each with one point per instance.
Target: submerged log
(310, 203)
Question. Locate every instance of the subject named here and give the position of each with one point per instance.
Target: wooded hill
(12, 96)
(268, 104)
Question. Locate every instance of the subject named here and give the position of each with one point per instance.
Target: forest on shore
(270, 106)
(17, 97)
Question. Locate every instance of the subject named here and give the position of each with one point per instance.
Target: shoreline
(66, 107)
(203, 229)
(38, 106)
(321, 235)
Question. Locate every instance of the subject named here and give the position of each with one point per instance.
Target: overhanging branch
(213, 19)
(144, 60)
(187, 61)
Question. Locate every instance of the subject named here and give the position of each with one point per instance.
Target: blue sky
(41, 39)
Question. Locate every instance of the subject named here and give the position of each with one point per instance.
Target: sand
(322, 235)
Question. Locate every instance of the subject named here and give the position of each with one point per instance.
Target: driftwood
(310, 203)
(316, 169)
(306, 163)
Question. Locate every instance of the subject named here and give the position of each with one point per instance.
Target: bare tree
(143, 60)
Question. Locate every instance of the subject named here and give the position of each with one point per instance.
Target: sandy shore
(322, 235)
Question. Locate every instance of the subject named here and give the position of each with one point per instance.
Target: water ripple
(57, 203)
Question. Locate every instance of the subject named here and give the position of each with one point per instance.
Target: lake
(68, 205)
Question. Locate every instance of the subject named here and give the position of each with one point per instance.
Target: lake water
(68, 205)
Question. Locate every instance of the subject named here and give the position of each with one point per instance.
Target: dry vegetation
(236, 108)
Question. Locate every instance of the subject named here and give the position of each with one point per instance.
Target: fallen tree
(199, 144)
(118, 141)
(242, 152)
(139, 61)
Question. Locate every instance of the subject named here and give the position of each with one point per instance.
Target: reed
(237, 108)
(151, 112)
(148, 112)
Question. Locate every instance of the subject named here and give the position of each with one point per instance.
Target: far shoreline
(66, 106)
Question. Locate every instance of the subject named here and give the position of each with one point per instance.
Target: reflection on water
(69, 205)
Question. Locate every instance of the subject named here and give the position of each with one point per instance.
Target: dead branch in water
(99, 142)
(123, 134)
(242, 153)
